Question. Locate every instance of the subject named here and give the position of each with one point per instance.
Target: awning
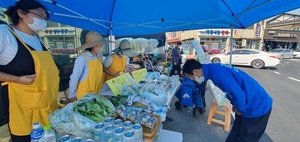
(281, 40)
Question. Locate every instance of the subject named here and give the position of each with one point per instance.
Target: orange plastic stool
(226, 112)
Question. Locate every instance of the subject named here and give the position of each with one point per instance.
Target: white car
(248, 57)
(283, 53)
(296, 53)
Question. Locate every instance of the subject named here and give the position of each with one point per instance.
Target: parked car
(247, 57)
(283, 53)
(214, 51)
(296, 53)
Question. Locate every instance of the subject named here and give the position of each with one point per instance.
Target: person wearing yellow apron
(115, 64)
(88, 75)
(29, 76)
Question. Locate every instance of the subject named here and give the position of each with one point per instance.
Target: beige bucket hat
(125, 49)
(93, 38)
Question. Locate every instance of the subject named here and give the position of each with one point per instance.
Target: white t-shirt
(9, 44)
(109, 59)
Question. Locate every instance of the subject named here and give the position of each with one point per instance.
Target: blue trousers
(248, 129)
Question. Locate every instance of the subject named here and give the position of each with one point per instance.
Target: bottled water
(49, 134)
(37, 132)
(118, 134)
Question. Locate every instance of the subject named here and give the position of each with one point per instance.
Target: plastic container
(129, 136)
(37, 132)
(118, 134)
(65, 138)
(99, 132)
(127, 125)
(138, 130)
(109, 133)
(157, 136)
(49, 134)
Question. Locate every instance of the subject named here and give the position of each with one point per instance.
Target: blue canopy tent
(141, 17)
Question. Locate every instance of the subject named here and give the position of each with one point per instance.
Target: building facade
(251, 37)
(283, 31)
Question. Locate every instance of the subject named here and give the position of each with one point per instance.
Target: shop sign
(111, 87)
(139, 74)
(217, 32)
(63, 50)
(58, 32)
(285, 35)
(258, 30)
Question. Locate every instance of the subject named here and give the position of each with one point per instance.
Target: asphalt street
(282, 83)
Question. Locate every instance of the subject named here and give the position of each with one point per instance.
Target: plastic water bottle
(49, 134)
(37, 132)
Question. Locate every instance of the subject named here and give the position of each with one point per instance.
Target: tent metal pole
(111, 39)
(231, 44)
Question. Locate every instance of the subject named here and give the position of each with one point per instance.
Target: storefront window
(61, 42)
(52, 24)
(173, 34)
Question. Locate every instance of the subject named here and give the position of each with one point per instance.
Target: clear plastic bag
(65, 120)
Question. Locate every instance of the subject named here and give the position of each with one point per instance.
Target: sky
(297, 11)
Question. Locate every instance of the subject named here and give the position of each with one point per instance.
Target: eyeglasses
(39, 15)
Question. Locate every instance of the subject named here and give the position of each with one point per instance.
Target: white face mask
(38, 24)
(199, 79)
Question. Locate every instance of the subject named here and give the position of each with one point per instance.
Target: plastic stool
(226, 113)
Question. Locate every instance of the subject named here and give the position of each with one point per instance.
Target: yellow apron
(94, 80)
(118, 65)
(34, 102)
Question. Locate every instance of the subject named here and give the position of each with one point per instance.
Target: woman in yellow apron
(29, 75)
(88, 75)
(116, 63)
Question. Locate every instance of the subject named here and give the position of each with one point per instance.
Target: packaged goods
(129, 136)
(108, 133)
(99, 132)
(49, 134)
(118, 134)
(138, 130)
(37, 132)
(65, 138)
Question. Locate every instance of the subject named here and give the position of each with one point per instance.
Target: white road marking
(277, 72)
(294, 79)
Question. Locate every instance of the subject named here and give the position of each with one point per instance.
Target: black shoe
(202, 110)
(195, 112)
(177, 105)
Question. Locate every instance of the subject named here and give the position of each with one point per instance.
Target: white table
(171, 92)
(170, 136)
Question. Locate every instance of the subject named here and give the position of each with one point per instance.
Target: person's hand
(26, 79)
(236, 111)
(71, 99)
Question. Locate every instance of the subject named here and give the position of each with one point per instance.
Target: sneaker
(177, 105)
(202, 110)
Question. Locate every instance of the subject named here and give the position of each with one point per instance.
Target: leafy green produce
(119, 100)
(96, 109)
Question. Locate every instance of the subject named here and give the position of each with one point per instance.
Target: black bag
(3, 105)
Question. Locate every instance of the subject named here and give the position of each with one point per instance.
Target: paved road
(282, 83)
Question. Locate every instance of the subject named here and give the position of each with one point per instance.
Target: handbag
(3, 105)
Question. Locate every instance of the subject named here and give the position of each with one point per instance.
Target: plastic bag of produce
(62, 121)
(219, 95)
(158, 99)
(76, 118)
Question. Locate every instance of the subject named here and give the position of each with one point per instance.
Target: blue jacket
(245, 93)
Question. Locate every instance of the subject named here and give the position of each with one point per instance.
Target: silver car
(283, 53)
